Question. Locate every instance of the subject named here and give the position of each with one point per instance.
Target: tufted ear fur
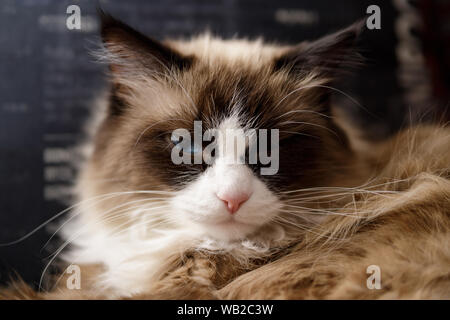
(129, 48)
(327, 56)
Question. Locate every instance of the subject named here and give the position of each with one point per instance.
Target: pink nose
(233, 201)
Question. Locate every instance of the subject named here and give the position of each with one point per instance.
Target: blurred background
(48, 81)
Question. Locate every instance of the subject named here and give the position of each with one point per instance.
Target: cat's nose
(233, 201)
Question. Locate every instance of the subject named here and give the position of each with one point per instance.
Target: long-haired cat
(144, 227)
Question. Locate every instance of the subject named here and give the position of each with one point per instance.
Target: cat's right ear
(129, 53)
(328, 56)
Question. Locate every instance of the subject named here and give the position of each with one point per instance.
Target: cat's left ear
(327, 56)
(130, 53)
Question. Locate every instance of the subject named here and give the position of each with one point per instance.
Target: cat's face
(224, 85)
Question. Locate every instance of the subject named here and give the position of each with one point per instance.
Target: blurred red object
(436, 48)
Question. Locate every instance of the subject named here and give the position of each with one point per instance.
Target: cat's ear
(129, 52)
(328, 56)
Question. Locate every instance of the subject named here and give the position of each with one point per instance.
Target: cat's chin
(228, 230)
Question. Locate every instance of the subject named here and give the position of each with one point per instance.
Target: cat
(146, 228)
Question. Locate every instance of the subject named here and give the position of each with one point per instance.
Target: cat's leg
(191, 279)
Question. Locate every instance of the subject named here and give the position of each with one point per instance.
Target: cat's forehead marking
(212, 49)
(230, 123)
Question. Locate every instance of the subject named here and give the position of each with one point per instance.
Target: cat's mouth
(232, 222)
(228, 229)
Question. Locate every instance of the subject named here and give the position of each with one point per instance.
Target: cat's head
(158, 88)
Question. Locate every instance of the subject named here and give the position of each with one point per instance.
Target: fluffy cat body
(146, 229)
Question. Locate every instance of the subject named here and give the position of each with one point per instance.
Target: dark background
(48, 81)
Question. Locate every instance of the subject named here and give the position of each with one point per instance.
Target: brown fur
(407, 234)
